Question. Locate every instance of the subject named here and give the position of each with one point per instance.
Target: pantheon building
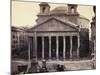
(61, 34)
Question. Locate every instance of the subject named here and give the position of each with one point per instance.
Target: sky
(25, 13)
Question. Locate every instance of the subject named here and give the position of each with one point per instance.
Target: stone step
(70, 65)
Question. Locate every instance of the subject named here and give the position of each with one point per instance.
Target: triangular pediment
(54, 24)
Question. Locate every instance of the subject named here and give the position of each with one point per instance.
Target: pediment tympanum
(54, 25)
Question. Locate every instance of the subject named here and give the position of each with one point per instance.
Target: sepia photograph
(52, 37)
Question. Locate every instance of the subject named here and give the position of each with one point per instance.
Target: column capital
(71, 36)
(49, 37)
(42, 36)
(57, 36)
(78, 36)
(64, 36)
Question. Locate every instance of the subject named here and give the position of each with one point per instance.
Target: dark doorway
(46, 48)
(31, 47)
(74, 47)
(39, 48)
(67, 49)
(60, 48)
(53, 48)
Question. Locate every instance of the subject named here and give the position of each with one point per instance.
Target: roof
(60, 9)
(44, 4)
(16, 29)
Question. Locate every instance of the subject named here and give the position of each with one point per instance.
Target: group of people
(35, 68)
(44, 67)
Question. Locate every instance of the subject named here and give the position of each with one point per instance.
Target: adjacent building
(18, 41)
(93, 31)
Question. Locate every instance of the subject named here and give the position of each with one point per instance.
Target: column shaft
(57, 48)
(70, 46)
(64, 46)
(42, 47)
(49, 47)
(35, 38)
(78, 45)
(29, 58)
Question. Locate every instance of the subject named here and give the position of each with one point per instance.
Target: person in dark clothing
(60, 67)
(44, 68)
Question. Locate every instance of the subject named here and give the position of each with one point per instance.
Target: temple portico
(56, 46)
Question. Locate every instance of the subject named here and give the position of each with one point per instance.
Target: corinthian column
(50, 47)
(78, 45)
(42, 47)
(70, 47)
(35, 39)
(57, 48)
(64, 46)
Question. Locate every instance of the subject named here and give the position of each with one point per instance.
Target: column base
(57, 59)
(71, 59)
(64, 59)
(49, 59)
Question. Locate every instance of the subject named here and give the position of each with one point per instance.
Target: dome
(61, 9)
(43, 3)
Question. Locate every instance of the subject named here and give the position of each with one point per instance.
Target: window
(13, 36)
(43, 9)
(72, 9)
(15, 41)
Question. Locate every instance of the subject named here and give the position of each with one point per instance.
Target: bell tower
(73, 14)
(72, 8)
(44, 7)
